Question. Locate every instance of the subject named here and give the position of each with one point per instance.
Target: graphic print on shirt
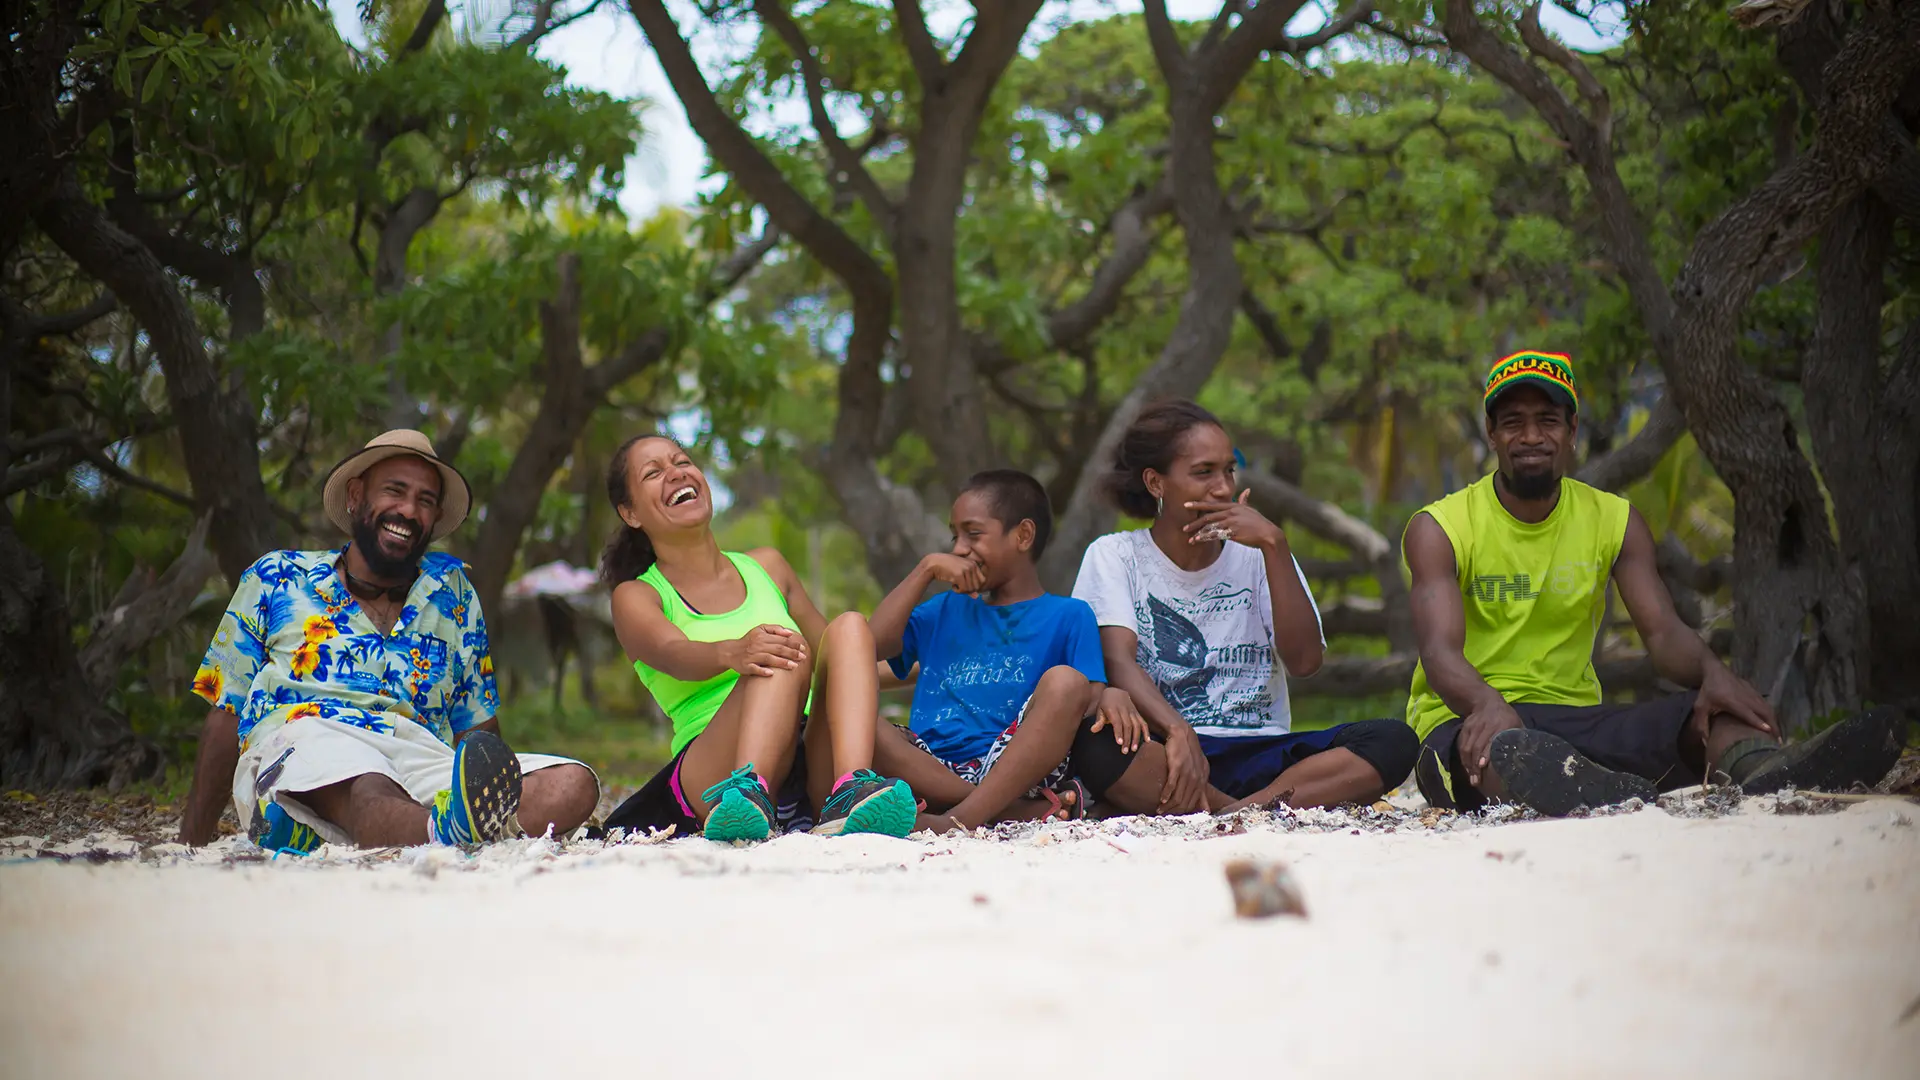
(988, 668)
(1183, 664)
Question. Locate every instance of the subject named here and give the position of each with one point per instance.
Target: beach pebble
(1262, 888)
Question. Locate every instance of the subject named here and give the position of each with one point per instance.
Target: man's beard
(366, 537)
(1531, 486)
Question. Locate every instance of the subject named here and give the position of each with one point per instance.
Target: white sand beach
(1760, 943)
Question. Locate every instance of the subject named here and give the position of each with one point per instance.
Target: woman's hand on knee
(765, 650)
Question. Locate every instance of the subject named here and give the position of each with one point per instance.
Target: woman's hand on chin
(1237, 521)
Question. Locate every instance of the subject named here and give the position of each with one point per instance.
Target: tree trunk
(1801, 633)
(403, 222)
(216, 423)
(1863, 434)
(1199, 82)
(55, 727)
(944, 385)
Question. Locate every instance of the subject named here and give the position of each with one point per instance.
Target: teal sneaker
(742, 809)
(481, 805)
(277, 832)
(867, 802)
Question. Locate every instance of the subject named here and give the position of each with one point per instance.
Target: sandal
(1081, 798)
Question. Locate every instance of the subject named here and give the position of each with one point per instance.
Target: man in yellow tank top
(1509, 590)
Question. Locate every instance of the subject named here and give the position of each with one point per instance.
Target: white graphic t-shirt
(1206, 636)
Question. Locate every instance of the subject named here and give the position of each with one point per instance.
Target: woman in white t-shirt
(1192, 612)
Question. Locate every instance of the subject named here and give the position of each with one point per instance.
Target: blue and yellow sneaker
(866, 802)
(481, 805)
(742, 809)
(277, 832)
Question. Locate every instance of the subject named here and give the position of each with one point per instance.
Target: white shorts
(314, 752)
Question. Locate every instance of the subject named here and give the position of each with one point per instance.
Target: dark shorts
(1242, 766)
(665, 802)
(1642, 738)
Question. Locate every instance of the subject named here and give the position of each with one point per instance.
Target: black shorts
(663, 801)
(1642, 738)
(1242, 765)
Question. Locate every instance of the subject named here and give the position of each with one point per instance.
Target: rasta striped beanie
(1552, 372)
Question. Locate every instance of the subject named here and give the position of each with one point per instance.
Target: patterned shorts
(974, 770)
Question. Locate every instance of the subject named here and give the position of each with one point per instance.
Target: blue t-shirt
(979, 663)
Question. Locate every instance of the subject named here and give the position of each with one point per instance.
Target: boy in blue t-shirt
(1012, 687)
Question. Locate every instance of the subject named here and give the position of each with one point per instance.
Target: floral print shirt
(294, 643)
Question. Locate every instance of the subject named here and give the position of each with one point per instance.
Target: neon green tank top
(691, 705)
(1534, 595)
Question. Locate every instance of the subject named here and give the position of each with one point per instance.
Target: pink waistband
(680, 796)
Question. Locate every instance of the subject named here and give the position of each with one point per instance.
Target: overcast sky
(606, 51)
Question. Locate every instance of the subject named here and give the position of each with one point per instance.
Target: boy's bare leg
(1045, 736)
(895, 755)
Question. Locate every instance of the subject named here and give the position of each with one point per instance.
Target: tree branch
(1629, 463)
(1265, 324)
(928, 62)
(845, 160)
(430, 20)
(1167, 50)
(1134, 238)
(1220, 69)
(217, 436)
(1335, 27)
(1600, 109)
(1324, 519)
(141, 614)
(822, 238)
(72, 322)
(995, 37)
(111, 469)
(544, 23)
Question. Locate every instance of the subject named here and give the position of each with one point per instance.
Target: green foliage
(1407, 221)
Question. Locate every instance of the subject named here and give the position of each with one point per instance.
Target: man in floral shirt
(362, 684)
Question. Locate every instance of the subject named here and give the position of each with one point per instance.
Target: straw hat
(455, 497)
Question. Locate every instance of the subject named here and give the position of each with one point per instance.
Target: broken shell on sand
(1262, 888)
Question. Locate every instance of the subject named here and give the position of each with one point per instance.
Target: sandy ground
(1662, 942)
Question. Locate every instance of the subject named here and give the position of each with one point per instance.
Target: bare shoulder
(775, 564)
(1427, 549)
(629, 593)
(1636, 545)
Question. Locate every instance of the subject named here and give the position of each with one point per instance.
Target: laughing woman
(730, 645)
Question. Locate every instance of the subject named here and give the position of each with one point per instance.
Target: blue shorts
(1240, 766)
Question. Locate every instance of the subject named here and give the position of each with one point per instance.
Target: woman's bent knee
(849, 622)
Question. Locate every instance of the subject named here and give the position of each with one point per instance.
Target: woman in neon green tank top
(730, 645)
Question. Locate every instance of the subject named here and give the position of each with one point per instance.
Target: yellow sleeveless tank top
(1534, 595)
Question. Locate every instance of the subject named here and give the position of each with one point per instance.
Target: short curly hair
(1016, 497)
